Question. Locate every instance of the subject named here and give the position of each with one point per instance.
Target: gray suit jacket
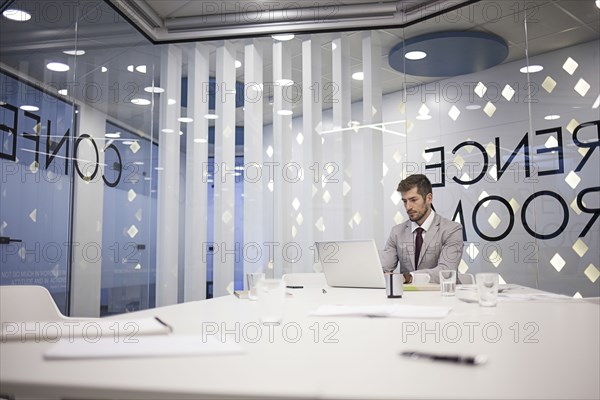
(442, 248)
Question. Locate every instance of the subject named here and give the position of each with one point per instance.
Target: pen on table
(457, 359)
(324, 291)
(160, 321)
(294, 287)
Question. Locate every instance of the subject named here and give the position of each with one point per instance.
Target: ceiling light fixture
(58, 67)
(551, 117)
(598, 3)
(285, 112)
(423, 117)
(200, 140)
(473, 107)
(74, 52)
(238, 63)
(333, 46)
(284, 82)
(130, 68)
(16, 15)
(185, 120)
(358, 76)
(171, 102)
(141, 102)
(283, 37)
(113, 135)
(532, 69)
(154, 89)
(167, 130)
(211, 116)
(26, 107)
(415, 55)
(63, 92)
(103, 69)
(141, 69)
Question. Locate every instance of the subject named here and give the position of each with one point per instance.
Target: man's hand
(407, 277)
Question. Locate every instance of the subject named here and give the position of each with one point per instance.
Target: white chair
(305, 279)
(466, 279)
(28, 303)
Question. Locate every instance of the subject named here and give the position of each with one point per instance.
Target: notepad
(386, 310)
(422, 287)
(144, 346)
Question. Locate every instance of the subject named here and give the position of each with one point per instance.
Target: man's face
(416, 206)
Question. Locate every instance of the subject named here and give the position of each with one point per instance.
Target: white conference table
(536, 349)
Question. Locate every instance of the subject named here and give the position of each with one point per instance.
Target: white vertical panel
(282, 132)
(224, 178)
(168, 178)
(336, 148)
(255, 176)
(312, 97)
(367, 197)
(196, 202)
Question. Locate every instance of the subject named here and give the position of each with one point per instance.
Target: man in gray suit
(437, 240)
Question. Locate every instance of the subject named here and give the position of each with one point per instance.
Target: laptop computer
(351, 263)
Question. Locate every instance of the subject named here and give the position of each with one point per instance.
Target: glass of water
(271, 293)
(487, 289)
(448, 282)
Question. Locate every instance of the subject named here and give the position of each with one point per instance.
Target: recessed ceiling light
(171, 102)
(285, 112)
(238, 63)
(284, 82)
(141, 69)
(473, 107)
(26, 107)
(103, 69)
(423, 117)
(185, 120)
(333, 46)
(130, 68)
(283, 37)
(113, 135)
(211, 116)
(358, 76)
(200, 140)
(16, 15)
(180, 133)
(531, 69)
(129, 142)
(74, 52)
(598, 3)
(63, 92)
(141, 102)
(154, 89)
(415, 55)
(551, 117)
(58, 67)
(167, 130)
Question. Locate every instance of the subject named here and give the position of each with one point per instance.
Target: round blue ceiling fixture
(449, 53)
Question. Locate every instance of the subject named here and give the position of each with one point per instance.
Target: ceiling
(109, 40)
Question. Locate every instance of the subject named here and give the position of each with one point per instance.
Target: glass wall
(177, 168)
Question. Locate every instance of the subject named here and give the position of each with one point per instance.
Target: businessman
(427, 243)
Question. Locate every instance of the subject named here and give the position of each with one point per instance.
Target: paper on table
(90, 329)
(146, 346)
(388, 310)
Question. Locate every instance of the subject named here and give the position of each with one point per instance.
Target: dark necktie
(418, 244)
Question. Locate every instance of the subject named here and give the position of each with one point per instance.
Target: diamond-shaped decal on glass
(583, 151)
(296, 203)
(480, 89)
(33, 215)
(459, 161)
(577, 295)
(582, 87)
(396, 197)
(549, 84)
(427, 156)
(557, 262)
(300, 138)
(463, 267)
(551, 142)
(570, 66)
(226, 217)
(454, 113)
(270, 185)
(494, 220)
(131, 195)
(514, 204)
(397, 156)
(508, 92)
(385, 169)
(409, 126)
(493, 173)
(572, 179)
(55, 271)
(575, 207)
(491, 149)
(326, 196)
(134, 147)
(592, 273)
(357, 218)
(398, 218)
(270, 151)
(501, 280)
(294, 231)
(465, 178)
(345, 188)
(22, 253)
(572, 125)
(489, 109)
(319, 225)
(483, 195)
(423, 110)
(227, 131)
(495, 258)
(34, 167)
(138, 215)
(314, 190)
(351, 223)
(138, 266)
(132, 231)
(472, 251)
(580, 247)
(299, 219)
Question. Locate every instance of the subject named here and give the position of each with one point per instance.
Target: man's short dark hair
(417, 180)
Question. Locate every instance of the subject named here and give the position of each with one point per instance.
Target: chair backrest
(306, 279)
(27, 303)
(466, 279)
